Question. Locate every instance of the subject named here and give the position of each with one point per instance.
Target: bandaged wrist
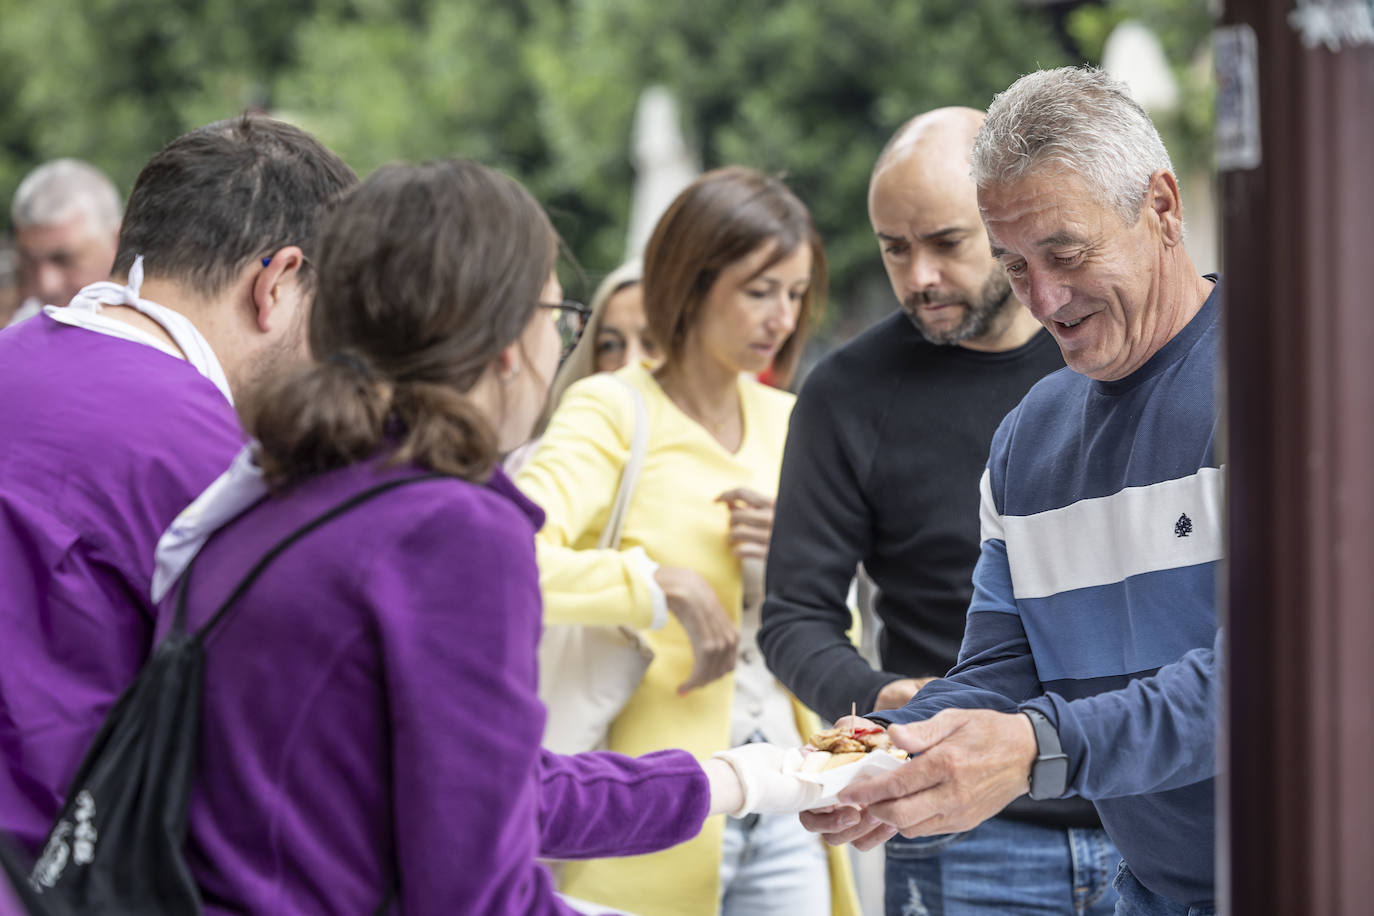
(748, 792)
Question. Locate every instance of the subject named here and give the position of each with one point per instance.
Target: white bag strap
(639, 444)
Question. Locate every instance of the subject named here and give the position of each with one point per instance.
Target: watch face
(1049, 777)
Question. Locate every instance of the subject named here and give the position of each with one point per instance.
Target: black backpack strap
(391, 890)
(179, 618)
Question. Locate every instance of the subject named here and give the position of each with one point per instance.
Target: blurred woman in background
(615, 335)
(732, 275)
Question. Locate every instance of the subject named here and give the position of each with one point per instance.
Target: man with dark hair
(1089, 665)
(886, 444)
(118, 410)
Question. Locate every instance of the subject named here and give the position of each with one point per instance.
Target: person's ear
(508, 364)
(277, 287)
(1166, 204)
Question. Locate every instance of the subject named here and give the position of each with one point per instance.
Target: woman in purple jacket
(371, 728)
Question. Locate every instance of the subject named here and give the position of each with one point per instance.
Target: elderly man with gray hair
(1089, 661)
(66, 217)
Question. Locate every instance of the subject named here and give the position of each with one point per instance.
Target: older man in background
(1089, 662)
(66, 217)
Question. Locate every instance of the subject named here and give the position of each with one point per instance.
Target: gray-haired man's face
(1091, 280)
(57, 260)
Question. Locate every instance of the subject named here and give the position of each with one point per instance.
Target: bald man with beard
(887, 443)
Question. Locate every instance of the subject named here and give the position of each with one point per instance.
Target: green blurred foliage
(1184, 28)
(111, 81)
(805, 89)
(544, 89)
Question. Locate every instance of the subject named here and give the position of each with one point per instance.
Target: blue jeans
(1003, 867)
(1138, 900)
(773, 866)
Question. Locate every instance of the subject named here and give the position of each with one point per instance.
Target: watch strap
(1050, 772)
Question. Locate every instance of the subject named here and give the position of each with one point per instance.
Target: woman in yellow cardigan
(731, 275)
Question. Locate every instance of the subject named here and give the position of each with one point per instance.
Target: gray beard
(993, 301)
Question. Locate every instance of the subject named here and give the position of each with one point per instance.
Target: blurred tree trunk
(1298, 794)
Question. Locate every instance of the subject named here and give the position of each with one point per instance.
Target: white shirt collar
(229, 495)
(84, 312)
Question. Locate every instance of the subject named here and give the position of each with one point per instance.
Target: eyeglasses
(570, 317)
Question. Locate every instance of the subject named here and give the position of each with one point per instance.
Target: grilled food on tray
(836, 747)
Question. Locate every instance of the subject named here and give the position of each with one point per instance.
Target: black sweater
(887, 443)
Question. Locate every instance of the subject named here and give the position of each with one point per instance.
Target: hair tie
(351, 362)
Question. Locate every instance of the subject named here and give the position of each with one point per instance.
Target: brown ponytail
(426, 273)
(444, 431)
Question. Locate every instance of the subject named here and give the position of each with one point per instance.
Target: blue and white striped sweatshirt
(1095, 597)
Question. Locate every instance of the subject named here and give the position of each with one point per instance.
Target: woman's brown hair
(426, 273)
(721, 217)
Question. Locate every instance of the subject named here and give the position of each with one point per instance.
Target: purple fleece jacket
(102, 442)
(370, 714)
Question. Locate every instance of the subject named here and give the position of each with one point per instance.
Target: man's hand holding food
(965, 766)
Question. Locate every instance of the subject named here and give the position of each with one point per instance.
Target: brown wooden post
(1297, 799)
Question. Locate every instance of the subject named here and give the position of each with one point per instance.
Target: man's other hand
(898, 693)
(842, 824)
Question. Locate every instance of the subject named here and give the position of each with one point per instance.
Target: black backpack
(116, 848)
(14, 880)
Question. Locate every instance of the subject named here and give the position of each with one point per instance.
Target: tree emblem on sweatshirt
(1184, 526)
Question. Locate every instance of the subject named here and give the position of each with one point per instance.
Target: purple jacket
(102, 442)
(370, 714)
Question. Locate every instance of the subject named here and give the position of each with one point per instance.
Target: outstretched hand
(766, 785)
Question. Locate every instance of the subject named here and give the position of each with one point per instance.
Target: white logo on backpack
(57, 853)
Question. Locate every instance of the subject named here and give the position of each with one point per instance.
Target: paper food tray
(832, 781)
